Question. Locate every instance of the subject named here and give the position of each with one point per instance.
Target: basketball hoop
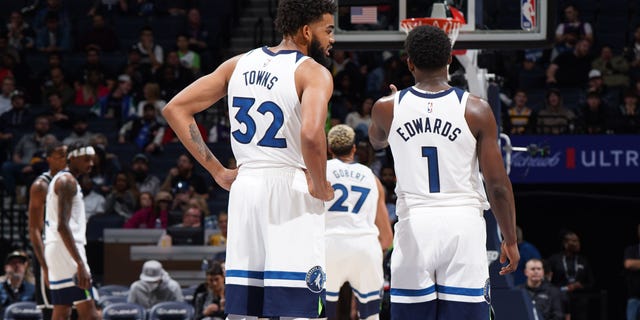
(449, 25)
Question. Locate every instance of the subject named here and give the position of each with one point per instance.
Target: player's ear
(450, 59)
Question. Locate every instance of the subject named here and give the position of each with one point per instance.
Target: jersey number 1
(269, 139)
(431, 153)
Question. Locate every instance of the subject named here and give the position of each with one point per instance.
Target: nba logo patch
(528, 16)
(486, 291)
(315, 279)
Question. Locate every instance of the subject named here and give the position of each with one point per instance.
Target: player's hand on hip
(509, 252)
(325, 193)
(225, 177)
(84, 277)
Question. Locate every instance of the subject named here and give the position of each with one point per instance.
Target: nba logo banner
(528, 16)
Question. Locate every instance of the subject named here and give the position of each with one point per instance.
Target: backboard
(490, 24)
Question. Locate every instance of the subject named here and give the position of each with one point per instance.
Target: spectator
(184, 172)
(57, 83)
(182, 76)
(546, 298)
(145, 132)
(8, 85)
(197, 32)
(151, 53)
(388, 180)
(94, 202)
(91, 89)
(149, 216)
(626, 118)
(109, 8)
(360, 119)
(366, 155)
(51, 8)
(119, 103)
(633, 56)
(19, 116)
(152, 95)
(220, 239)
(93, 61)
(123, 198)
(100, 36)
(614, 68)
(54, 37)
(15, 287)
(188, 57)
(571, 69)
(145, 182)
(209, 298)
(594, 117)
(191, 218)
(79, 131)
(17, 170)
(520, 116)
(527, 252)
(155, 285)
(19, 33)
(570, 31)
(611, 96)
(58, 117)
(555, 118)
(530, 75)
(572, 273)
(105, 164)
(632, 278)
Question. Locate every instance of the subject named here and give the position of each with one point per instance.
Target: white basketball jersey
(77, 221)
(264, 109)
(434, 151)
(353, 209)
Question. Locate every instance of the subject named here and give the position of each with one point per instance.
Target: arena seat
(24, 310)
(173, 310)
(124, 310)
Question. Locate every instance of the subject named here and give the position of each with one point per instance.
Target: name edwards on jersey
(260, 78)
(428, 125)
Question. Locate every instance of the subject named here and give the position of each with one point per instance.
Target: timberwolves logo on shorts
(486, 291)
(315, 279)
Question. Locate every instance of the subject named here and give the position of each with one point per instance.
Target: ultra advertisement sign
(577, 158)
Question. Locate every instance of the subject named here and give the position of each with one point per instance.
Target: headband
(84, 151)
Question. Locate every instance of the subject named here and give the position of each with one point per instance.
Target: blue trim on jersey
(266, 50)
(402, 93)
(459, 92)
(430, 95)
(366, 295)
(413, 292)
(273, 301)
(461, 291)
(61, 281)
(277, 275)
(440, 309)
(333, 294)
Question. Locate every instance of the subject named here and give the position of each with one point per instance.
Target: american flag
(364, 15)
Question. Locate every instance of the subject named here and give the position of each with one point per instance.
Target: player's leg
(87, 310)
(463, 281)
(295, 269)
(61, 312)
(338, 266)
(244, 263)
(415, 251)
(367, 282)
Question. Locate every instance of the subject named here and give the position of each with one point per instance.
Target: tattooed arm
(196, 97)
(66, 188)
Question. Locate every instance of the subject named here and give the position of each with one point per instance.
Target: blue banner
(576, 159)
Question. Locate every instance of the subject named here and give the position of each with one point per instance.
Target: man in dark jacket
(545, 297)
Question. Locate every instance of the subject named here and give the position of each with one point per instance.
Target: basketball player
(69, 274)
(357, 227)
(440, 138)
(56, 157)
(277, 99)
